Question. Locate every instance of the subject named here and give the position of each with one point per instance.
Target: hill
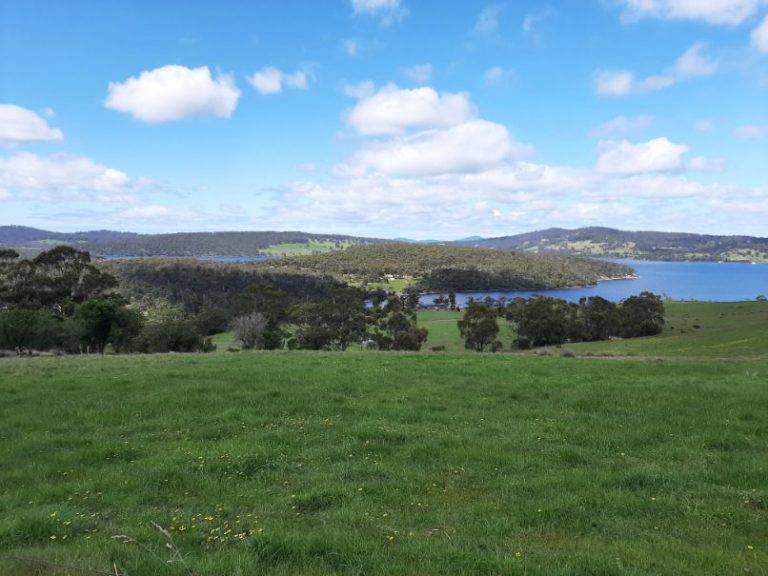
(451, 267)
(194, 244)
(26, 237)
(608, 242)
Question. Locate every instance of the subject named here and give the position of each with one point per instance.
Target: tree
(57, 280)
(273, 305)
(479, 326)
(642, 315)
(22, 329)
(249, 329)
(103, 321)
(173, 336)
(544, 321)
(599, 318)
(395, 328)
(333, 323)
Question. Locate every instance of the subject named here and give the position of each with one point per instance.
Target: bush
(173, 336)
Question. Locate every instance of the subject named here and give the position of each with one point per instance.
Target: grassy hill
(608, 242)
(384, 463)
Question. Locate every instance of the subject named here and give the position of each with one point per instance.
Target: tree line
(60, 300)
(547, 321)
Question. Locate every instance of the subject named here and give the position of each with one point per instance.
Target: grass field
(306, 248)
(384, 463)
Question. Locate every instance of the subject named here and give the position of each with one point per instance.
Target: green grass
(698, 329)
(307, 463)
(383, 463)
(306, 248)
(444, 330)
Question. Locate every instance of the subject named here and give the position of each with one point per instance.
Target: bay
(705, 281)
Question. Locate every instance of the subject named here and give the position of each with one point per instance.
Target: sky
(433, 119)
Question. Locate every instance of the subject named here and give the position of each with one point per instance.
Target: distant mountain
(24, 236)
(195, 244)
(470, 239)
(608, 242)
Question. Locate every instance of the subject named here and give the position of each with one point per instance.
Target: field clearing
(383, 463)
(306, 248)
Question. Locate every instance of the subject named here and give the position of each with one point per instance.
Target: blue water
(235, 258)
(708, 281)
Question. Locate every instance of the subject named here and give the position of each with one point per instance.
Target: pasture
(308, 463)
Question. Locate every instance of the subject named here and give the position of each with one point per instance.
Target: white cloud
(613, 82)
(151, 211)
(420, 73)
(464, 148)
(657, 155)
(5, 195)
(393, 110)
(623, 126)
(691, 64)
(351, 47)
(704, 125)
(488, 20)
(271, 80)
(723, 12)
(760, 37)
(496, 75)
(390, 11)
(174, 93)
(751, 132)
(62, 177)
(19, 125)
(360, 90)
(531, 21)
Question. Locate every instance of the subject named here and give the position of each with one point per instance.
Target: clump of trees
(546, 321)
(59, 300)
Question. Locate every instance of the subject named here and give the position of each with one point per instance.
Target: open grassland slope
(320, 463)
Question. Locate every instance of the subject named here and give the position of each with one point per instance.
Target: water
(707, 281)
(235, 258)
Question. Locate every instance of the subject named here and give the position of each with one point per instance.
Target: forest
(449, 267)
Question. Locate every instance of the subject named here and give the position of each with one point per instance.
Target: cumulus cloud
(464, 148)
(420, 73)
(271, 80)
(62, 176)
(20, 126)
(393, 110)
(174, 93)
(722, 12)
(751, 132)
(623, 126)
(691, 64)
(658, 155)
(390, 11)
(760, 37)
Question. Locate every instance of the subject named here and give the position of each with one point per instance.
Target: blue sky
(427, 119)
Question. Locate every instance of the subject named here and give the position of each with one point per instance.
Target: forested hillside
(609, 242)
(26, 237)
(440, 267)
(195, 244)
